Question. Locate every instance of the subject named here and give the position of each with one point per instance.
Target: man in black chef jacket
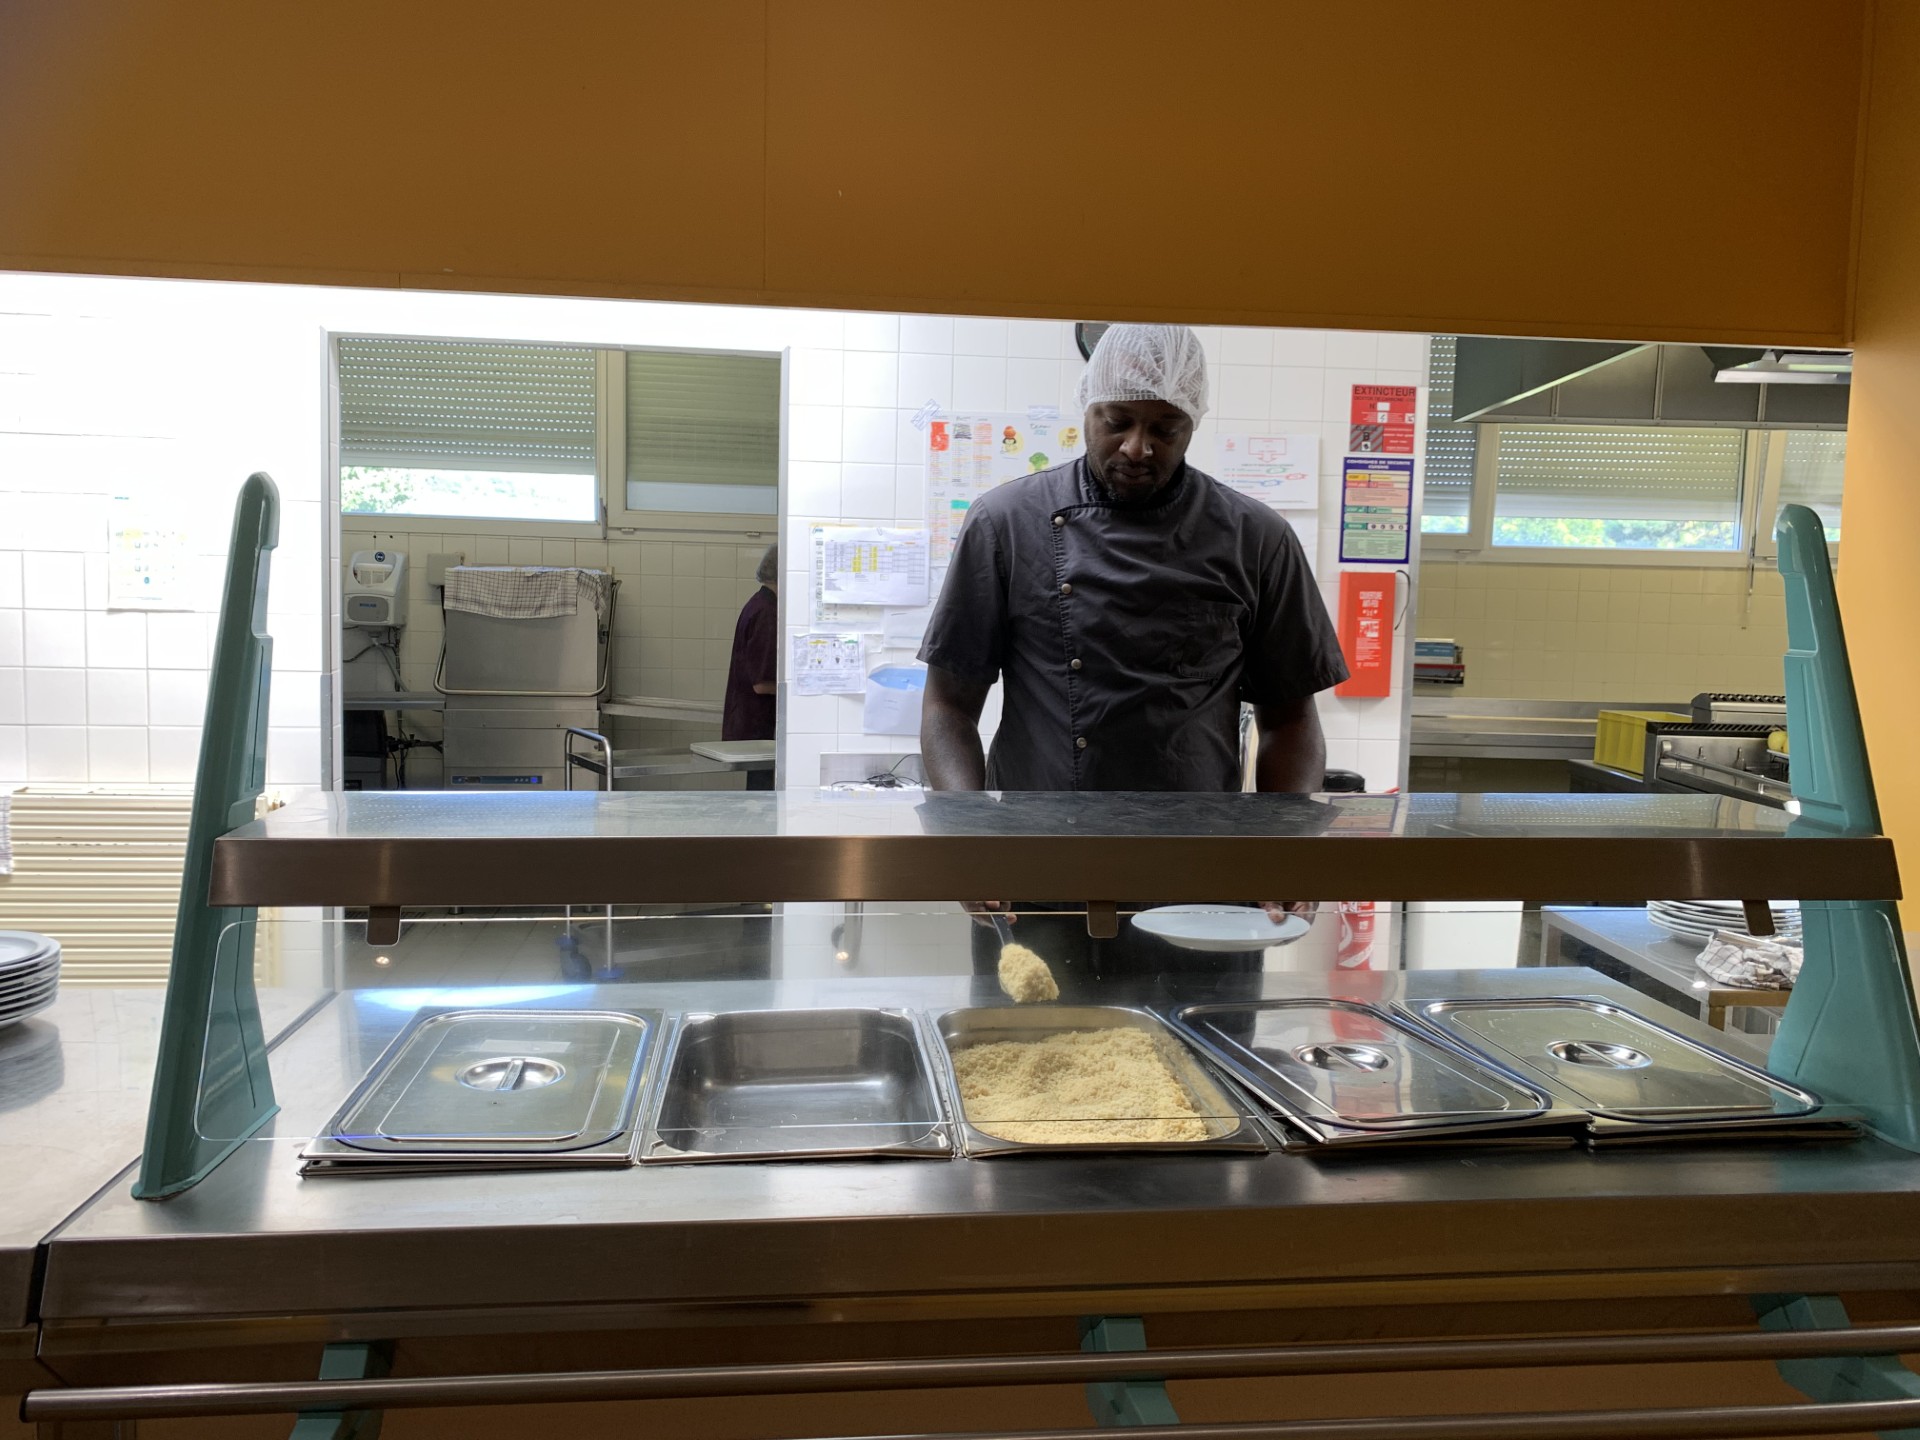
(1128, 603)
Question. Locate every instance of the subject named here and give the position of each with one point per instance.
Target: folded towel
(530, 592)
(1751, 962)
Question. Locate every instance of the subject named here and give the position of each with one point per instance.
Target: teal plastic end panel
(211, 1089)
(1123, 1403)
(1849, 1030)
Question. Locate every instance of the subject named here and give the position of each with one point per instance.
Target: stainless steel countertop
(1011, 1235)
(416, 849)
(1630, 937)
(1498, 729)
(74, 1083)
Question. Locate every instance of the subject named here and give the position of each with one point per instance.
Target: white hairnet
(1147, 362)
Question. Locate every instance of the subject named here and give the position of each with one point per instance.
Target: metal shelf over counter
(401, 849)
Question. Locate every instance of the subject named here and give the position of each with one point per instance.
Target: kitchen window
(1567, 487)
(697, 432)
(468, 429)
(567, 438)
(1805, 467)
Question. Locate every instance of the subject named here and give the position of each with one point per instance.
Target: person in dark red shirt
(754, 666)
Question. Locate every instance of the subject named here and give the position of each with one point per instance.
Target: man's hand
(1279, 910)
(984, 912)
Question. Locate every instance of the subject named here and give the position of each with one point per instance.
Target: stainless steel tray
(1620, 1066)
(1227, 1121)
(793, 1084)
(509, 1086)
(1352, 1066)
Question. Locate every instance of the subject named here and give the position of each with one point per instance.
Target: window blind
(1596, 472)
(1811, 473)
(703, 432)
(1451, 449)
(467, 405)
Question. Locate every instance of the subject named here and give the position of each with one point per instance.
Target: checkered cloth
(524, 592)
(1751, 961)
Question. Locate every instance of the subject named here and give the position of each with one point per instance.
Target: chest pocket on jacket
(1197, 638)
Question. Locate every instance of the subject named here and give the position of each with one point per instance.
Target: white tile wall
(1607, 632)
(203, 384)
(1260, 378)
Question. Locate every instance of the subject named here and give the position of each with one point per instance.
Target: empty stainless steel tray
(506, 1086)
(1619, 1065)
(1345, 1065)
(1225, 1119)
(791, 1084)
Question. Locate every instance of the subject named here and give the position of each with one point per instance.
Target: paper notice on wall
(1376, 510)
(967, 455)
(149, 556)
(824, 613)
(894, 693)
(828, 665)
(905, 629)
(1382, 419)
(869, 565)
(1282, 471)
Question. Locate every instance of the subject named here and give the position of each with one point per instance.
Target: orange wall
(1612, 169)
(1879, 581)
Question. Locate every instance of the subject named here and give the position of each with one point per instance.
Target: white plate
(1219, 928)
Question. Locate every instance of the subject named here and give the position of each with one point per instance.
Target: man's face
(1135, 446)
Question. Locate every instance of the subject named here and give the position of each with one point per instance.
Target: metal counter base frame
(1728, 1423)
(1085, 1367)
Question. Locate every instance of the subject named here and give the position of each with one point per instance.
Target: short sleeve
(967, 633)
(1294, 651)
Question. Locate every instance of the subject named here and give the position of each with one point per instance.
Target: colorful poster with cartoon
(967, 455)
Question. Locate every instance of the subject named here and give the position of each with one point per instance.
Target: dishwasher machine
(525, 658)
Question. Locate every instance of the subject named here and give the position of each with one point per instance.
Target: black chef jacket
(1127, 636)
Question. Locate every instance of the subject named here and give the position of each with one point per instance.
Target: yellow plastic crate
(1620, 737)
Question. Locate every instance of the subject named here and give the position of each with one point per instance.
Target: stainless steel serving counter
(1483, 728)
(74, 1082)
(337, 1258)
(387, 850)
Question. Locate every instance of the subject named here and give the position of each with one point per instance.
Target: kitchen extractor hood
(1564, 382)
(1792, 367)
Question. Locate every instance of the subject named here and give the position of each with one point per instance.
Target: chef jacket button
(1058, 521)
(1074, 664)
(1066, 589)
(1079, 742)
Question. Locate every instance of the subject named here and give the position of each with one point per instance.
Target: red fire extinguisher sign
(1366, 633)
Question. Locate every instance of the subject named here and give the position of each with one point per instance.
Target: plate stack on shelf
(29, 974)
(1696, 920)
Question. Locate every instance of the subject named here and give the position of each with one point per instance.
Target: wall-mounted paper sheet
(1282, 471)
(828, 665)
(862, 565)
(824, 613)
(149, 553)
(967, 455)
(894, 693)
(905, 629)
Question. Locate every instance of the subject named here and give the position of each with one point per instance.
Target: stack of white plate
(29, 973)
(1698, 919)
